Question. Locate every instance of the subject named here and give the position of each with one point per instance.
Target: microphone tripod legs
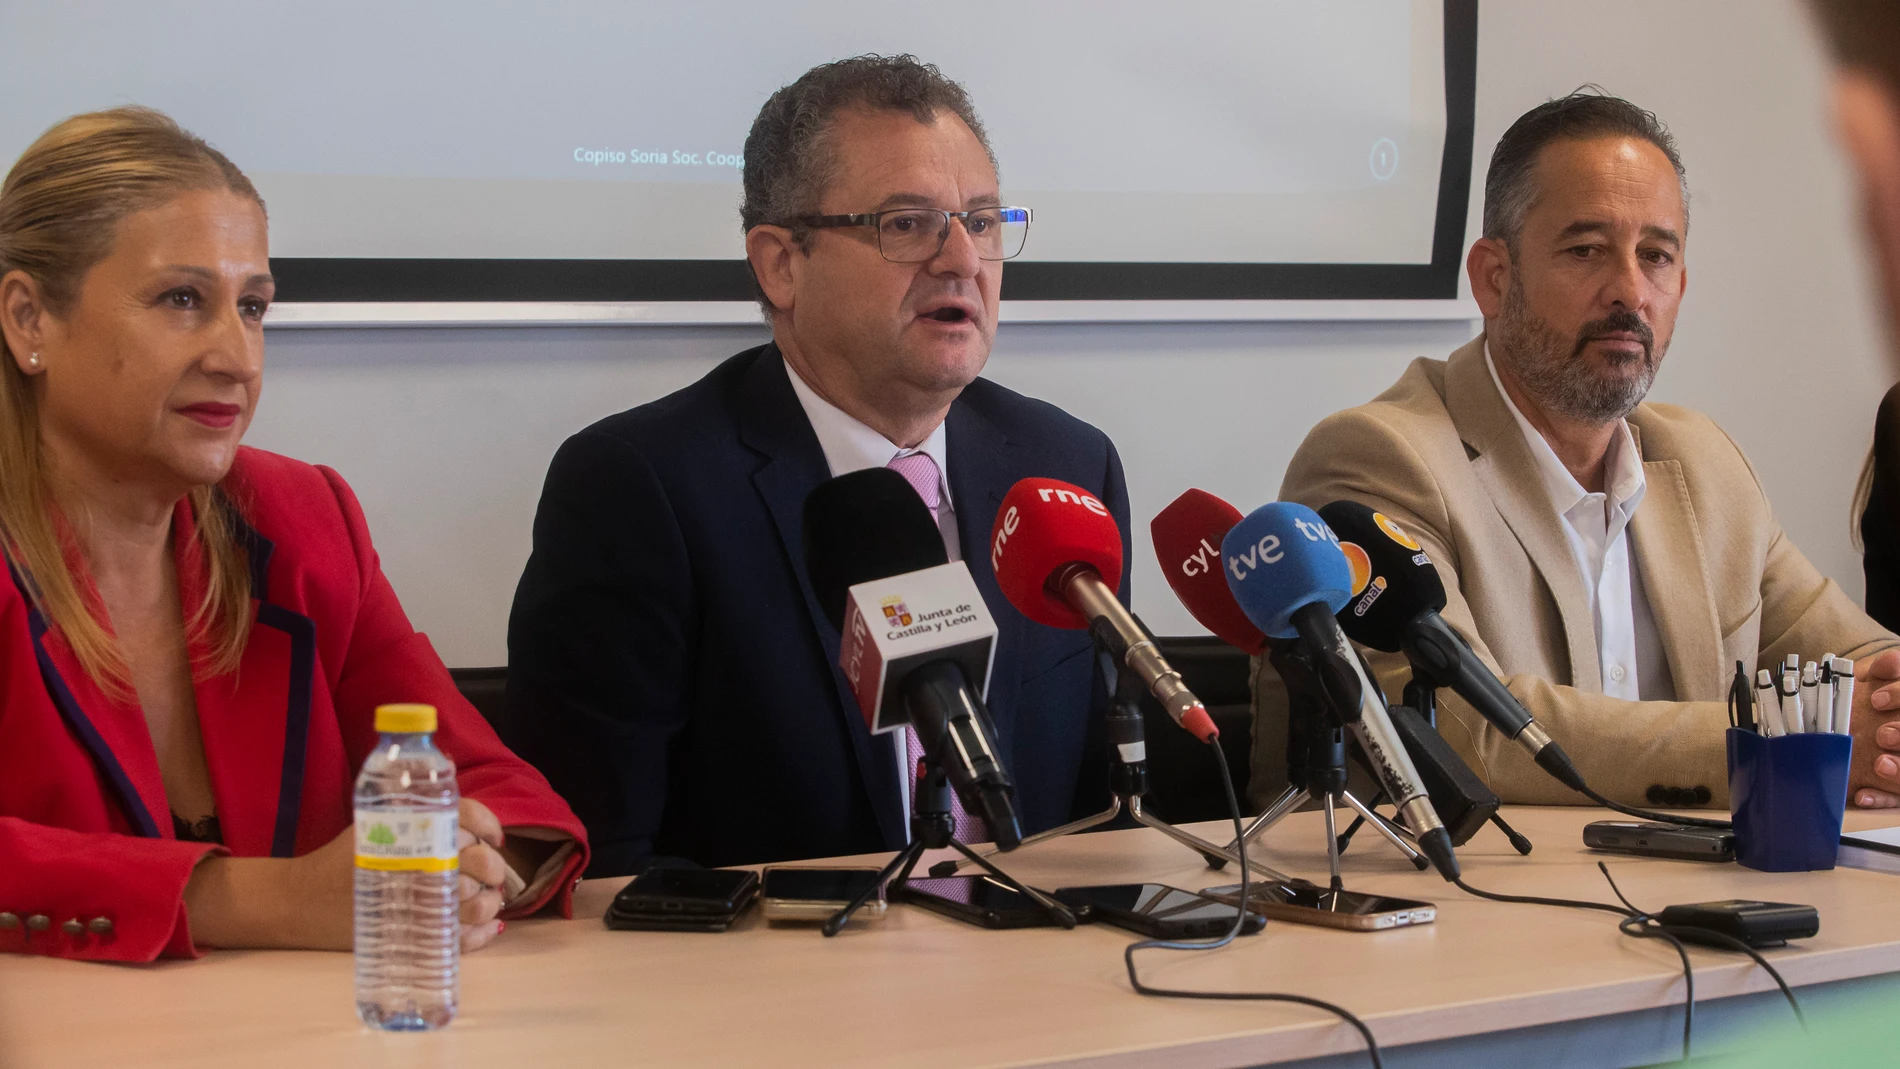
(1519, 841)
(1092, 821)
(1332, 846)
(1385, 828)
(1140, 815)
(1294, 797)
(931, 829)
(1195, 842)
(1128, 777)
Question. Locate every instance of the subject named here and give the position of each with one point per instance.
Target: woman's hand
(309, 902)
(483, 870)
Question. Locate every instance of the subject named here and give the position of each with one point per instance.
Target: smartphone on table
(1646, 839)
(977, 900)
(1158, 911)
(1308, 903)
(683, 900)
(812, 894)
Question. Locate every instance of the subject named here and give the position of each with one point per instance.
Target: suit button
(1702, 796)
(74, 927)
(1655, 794)
(100, 925)
(9, 921)
(38, 922)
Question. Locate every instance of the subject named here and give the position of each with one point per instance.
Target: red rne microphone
(1187, 537)
(1057, 555)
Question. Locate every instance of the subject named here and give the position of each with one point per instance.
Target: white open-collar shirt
(849, 445)
(1596, 525)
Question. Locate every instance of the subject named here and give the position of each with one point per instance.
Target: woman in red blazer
(195, 635)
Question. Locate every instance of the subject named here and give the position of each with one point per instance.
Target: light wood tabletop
(922, 990)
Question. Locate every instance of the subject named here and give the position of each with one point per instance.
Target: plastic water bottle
(408, 923)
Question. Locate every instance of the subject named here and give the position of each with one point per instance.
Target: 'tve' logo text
(1267, 550)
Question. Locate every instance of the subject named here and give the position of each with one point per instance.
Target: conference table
(1487, 983)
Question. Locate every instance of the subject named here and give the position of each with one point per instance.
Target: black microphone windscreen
(1394, 582)
(865, 525)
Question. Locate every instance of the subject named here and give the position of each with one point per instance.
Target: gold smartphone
(789, 893)
(1308, 903)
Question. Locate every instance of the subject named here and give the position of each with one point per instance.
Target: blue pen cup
(1787, 795)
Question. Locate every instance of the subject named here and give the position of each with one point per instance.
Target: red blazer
(85, 830)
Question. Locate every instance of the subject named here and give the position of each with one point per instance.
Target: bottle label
(403, 840)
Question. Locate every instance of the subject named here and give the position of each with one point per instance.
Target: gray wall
(445, 434)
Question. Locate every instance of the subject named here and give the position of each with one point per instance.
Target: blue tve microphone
(1281, 559)
(1286, 570)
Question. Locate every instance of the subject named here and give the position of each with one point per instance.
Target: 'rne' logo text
(1073, 498)
(1011, 520)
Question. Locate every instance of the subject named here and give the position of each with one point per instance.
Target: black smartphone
(669, 922)
(1158, 911)
(1660, 840)
(978, 900)
(687, 892)
(789, 893)
(1306, 903)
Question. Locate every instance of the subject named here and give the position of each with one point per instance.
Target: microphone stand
(1128, 776)
(931, 828)
(1421, 693)
(1316, 768)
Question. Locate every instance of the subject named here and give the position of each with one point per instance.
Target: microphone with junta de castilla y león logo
(917, 639)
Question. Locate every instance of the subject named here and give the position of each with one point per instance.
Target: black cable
(1724, 938)
(1650, 814)
(1733, 943)
(1643, 930)
(1641, 924)
(1552, 759)
(1639, 927)
(1240, 917)
(1567, 903)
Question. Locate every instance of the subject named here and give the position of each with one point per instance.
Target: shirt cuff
(517, 892)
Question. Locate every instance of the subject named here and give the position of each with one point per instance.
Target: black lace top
(202, 830)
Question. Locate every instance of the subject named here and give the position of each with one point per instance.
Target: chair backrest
(1181, 783)
(1182, 787)
(485, 688)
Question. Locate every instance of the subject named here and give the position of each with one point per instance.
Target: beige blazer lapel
(1507, 470)
(1668, 548)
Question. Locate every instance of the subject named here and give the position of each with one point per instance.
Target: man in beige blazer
(1610, 559)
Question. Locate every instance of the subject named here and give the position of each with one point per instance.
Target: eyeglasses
(914, 235)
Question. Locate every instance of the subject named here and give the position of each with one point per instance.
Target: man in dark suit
(670, 670)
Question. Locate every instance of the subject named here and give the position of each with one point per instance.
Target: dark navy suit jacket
(672, 674)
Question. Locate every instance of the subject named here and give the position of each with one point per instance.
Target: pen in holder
(1787, 795)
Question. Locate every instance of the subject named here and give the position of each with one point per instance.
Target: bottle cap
(405, 718)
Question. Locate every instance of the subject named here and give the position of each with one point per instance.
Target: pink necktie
(922, 474)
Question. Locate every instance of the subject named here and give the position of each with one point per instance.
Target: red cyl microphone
(1187, 538)
(1057, 555)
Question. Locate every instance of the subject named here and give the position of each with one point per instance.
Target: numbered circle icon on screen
(1384, 159)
